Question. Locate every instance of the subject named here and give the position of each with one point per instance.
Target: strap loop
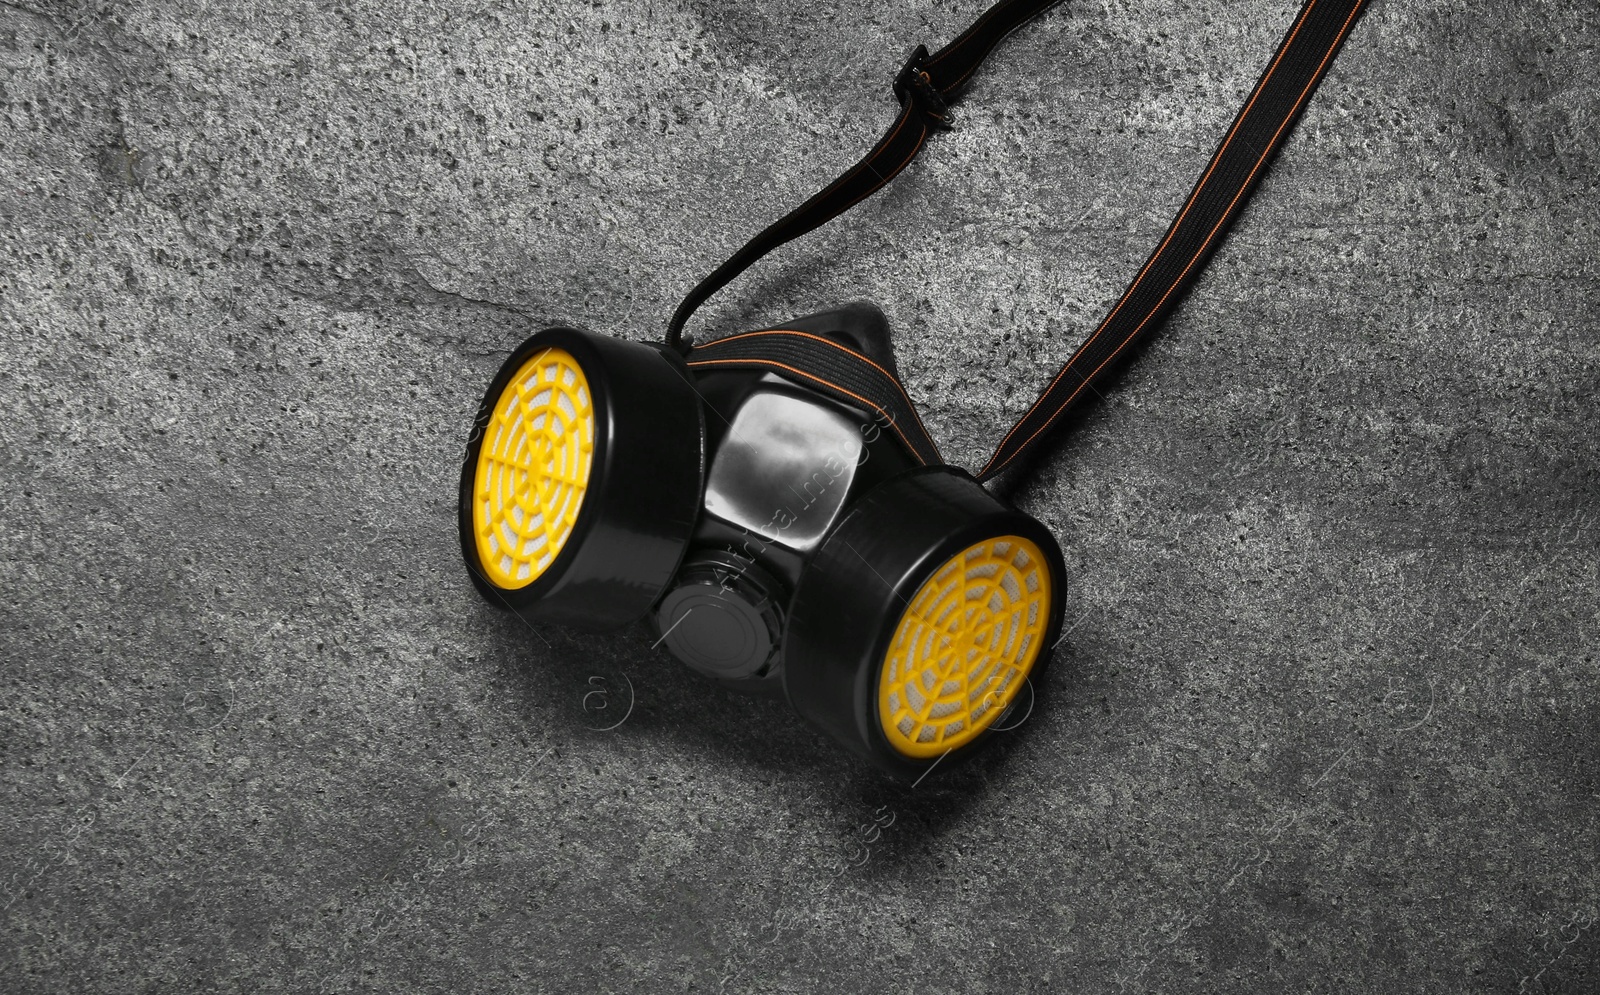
(915, 86)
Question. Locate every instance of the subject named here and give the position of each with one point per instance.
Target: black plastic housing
(643, 493)
(855, 588)
(777, 533)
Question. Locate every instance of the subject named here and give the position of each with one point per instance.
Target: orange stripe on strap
(827, 383)
(1204, 246)
(1194, 195)
(844, 349)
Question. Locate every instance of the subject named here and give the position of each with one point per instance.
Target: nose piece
(859, 325)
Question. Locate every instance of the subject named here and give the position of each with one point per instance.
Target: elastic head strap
(1258, 132)
(928, 85)
(925, 87)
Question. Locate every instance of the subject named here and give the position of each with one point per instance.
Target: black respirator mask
(769, 500)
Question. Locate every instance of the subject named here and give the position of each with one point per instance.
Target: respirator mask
(769, 501)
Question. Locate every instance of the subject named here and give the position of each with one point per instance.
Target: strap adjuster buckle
(913, 83)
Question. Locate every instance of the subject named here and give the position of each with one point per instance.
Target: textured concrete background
(1327, 716)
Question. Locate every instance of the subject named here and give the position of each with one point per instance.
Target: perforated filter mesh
(964, 646)
(533, 468)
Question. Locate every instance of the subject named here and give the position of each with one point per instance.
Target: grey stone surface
(1326, 719)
